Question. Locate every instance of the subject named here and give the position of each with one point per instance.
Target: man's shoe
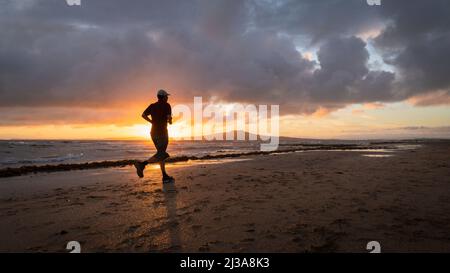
(140, 166)
(168, 179)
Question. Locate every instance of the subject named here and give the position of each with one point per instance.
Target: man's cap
(162, 93)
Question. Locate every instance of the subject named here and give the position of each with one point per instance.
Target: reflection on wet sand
(377, 155)
(170, 202)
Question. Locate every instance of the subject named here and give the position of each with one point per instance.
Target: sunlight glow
(357, 120)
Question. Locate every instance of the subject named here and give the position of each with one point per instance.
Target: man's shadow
(170, 201)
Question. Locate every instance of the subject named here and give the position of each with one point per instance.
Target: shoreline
(24, 170)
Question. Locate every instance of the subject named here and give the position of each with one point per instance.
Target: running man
(161, 114)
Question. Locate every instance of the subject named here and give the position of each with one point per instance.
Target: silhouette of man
(161, 114)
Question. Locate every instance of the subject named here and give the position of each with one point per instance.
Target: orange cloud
(373, 106)
(435, 98)
(357, 111)
(321, 112)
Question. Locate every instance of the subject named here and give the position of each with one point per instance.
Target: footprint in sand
(196, 227)
(132, 228)
(270, 236)
(204, 248)
(97, 197)
(77, 204)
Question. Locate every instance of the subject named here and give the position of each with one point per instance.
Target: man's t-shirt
(159, 111)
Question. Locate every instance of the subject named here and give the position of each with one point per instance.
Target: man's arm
(145, 116)
(169, 115)
(146, 113)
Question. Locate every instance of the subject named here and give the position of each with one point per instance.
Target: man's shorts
(161, 143)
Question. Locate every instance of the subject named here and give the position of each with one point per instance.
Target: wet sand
(311, 201)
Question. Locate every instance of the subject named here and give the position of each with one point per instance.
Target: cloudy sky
(337, 68)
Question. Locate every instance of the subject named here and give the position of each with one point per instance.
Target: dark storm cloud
(344, 75)
(108, 53)
(417, 42)
(318, 20)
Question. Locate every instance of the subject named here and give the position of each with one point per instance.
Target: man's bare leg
(166, 177)
(162, 166)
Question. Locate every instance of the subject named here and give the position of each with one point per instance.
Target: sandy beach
(312, 201)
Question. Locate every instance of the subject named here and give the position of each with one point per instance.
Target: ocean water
(40, 152)
(14, 153)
